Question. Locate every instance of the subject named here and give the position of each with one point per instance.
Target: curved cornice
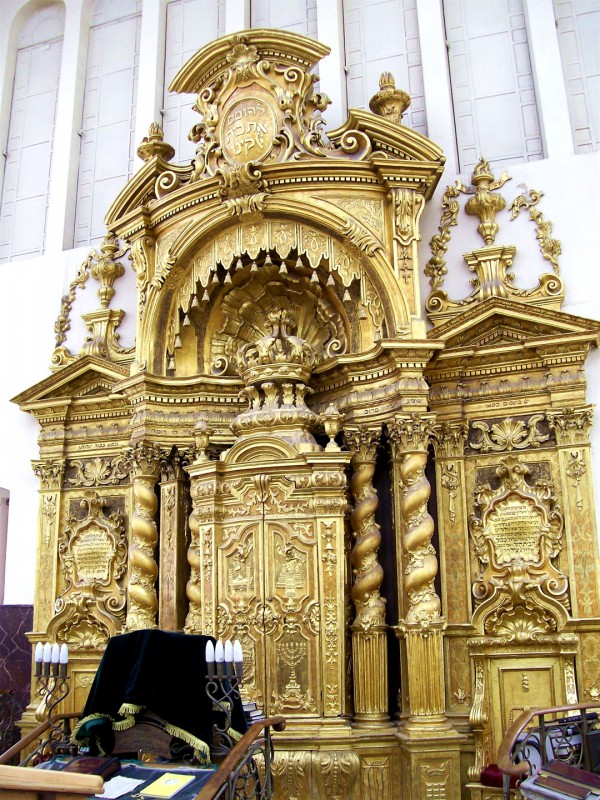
(389, 137)
(212, 59)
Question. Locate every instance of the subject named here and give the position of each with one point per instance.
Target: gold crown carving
(280, 355)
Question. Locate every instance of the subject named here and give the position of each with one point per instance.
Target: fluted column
(369, 631)
(142, 602)
(422, 626)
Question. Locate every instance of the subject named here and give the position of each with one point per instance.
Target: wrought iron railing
(246, 772)
(570, 734)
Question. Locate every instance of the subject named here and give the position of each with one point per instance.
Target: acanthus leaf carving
(509, 434)
(97, 472)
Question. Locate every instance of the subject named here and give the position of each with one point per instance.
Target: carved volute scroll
(259, 107)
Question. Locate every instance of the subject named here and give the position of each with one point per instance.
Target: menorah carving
(292, 653)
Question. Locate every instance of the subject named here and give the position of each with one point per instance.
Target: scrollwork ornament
(98, 472)
(336, 773)
(63, 322)
(509, 434)
(550, 248)
(517, 531)
(93, 557)
(450, 480)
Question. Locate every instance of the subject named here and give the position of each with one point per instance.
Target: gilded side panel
(575, 463)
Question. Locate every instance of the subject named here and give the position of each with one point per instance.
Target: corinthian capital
(411, 433)
(571, 425)
(449, 439)
(145, 459)
(362, 443)
(50, 473)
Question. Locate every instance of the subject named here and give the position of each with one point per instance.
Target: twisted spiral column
(423, 627)
(142, 602)
(193, 621)
(369, 631)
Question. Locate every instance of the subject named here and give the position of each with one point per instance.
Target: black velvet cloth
(163, 672)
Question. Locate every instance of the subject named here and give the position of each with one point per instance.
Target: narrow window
(26, 185)
(107, 153)
(297, 16)
(495, 108)
(190, 25)
(383, 36)
(578, 24)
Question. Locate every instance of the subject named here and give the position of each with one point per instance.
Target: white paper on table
(117, 787)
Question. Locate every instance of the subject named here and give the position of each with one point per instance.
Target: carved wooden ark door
(273, 571)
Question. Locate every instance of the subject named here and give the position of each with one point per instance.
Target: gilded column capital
(362, 443)
(571, 425)
(50, 473)
(449, 439)
(145, 459)
(411, 434)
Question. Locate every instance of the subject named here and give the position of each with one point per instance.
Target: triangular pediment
(503, 323)
(86, 377)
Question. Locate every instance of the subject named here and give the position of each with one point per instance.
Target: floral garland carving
(63, 321)
(549, 247)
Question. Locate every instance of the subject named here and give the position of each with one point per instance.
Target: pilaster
(50, 474)
(172, 566)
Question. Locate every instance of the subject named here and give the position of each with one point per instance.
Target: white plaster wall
(31, 290)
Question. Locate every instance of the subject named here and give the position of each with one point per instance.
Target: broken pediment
(259, 113)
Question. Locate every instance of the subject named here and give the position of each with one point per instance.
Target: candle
(237, 651)
(55, 656)
(39, 653)
(228, 651)
(64, 654)
(210, 652)
(219, 651)
(238, 657)
(47, 653)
